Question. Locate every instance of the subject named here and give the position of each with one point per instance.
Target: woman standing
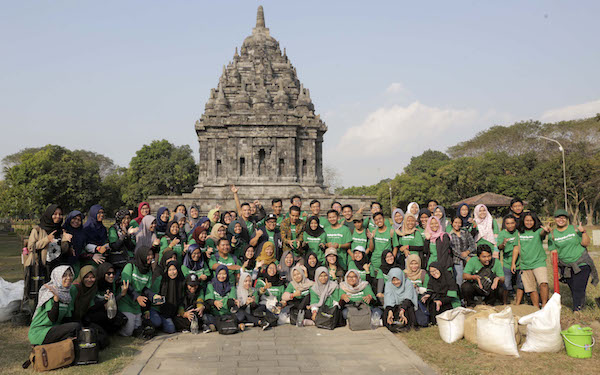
(120, 240)
(463, 247)
(487, 228)
(143, 210)
(574, 261)
(162, 219)
(314, 238)
(437, 244)
(96, 235)
(247, 303)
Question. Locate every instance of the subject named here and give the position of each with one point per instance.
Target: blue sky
(390, 79)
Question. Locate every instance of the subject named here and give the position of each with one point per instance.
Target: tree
(160, 168)
(35, 178)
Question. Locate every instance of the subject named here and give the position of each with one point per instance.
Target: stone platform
(281, 350)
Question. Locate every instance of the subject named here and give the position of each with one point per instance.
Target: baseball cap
(271, 217)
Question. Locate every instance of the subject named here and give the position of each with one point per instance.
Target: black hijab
(444, 284)
(140, 259)
(46, 222)
(275, 280)
(313, 233)
(421, 212)
(251, 261)
(385, 267)
(360, 264)
(103, 286)
(221, 287)
(311, 270)
(162, 264)
(171, 289)
(78, 240)
(168, 230)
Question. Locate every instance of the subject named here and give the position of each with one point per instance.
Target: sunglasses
(110, 274)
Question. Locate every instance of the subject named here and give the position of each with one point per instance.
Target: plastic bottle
(111, 307)
(194, 326)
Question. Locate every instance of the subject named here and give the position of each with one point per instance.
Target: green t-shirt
(370, 224)
(134, 224)
(276, 291)
(212, 295)
(381, 242)
(229, 261)
(532, 251)
(353, 266)
(138, 281)
(474, 265)
(177, 249)
(270, 235)
(567, 243)
(359, 239)
(507, 252)
(334, 297)
(413, 239)
(340, 236)
(202, 271)
(250, 227)
(41, 324)
(358, 297)
(290, 289)
(313, 244)
(113, 236)
(381, 275)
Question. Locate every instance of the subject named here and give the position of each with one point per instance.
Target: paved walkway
(281, 350)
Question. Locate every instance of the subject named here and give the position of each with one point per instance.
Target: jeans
(159, 321)
(578, 283)
(133, 321)
(508, 278)
(458, 270)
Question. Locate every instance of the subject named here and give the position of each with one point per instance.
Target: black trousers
(433, 312)
(469, 292)
(578, 283)
(409, 313)
(62, 332)
(298, 303)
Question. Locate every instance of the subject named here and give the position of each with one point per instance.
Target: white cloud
(572, 112)
(395, 88)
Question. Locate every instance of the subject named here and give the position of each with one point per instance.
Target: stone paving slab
(281, 350)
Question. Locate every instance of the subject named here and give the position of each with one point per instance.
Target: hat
(561, 212)
(360, 248)
(357, 217)
(329, 251)
(271, 216)
(192, 279)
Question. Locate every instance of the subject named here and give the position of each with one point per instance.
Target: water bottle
(300, 319)
(194, 326)
(111, 307)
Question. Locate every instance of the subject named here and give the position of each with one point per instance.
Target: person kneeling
(484, 277)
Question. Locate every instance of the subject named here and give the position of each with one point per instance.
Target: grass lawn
(14, 344)
(463, 358)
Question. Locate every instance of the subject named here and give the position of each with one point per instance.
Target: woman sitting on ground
(334, 268)
(170, 285)
(415, 273)
(172, 241)
(247, 303)
(286, 264)
(83, 292)
(107, 288)
(195, 262)
(220, 298)
(324, 292)
(442, 291)
(400, 302)
(361, 263)
(192, 305)
(355, 290)
(54, 305)
(270, 288)
(297, 294)
(388, 261)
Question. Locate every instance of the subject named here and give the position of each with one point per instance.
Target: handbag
(227, 325)
(359, 317)
(51, 356)
(422, 315)
(327, 317)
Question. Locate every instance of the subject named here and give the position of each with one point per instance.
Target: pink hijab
(485, 225)
(437, 234)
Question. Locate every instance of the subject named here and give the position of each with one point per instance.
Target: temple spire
(260, 17)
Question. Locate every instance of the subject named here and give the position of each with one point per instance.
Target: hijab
(189, 262)
(465, 219)
(393, 295)
(140, 259)
(200, 221)
(64, 294)
(323, 290)
(144, 237)
(360, 264)
(161, 226)
(394, 224)
(437, 234)
(274, 280)
(484, 226)
(416, 275)
(309, 269)
(353, 289)
(385, 267)
(162, 264)
(231, 229)
(444, 284)
(172, 289)
(305, 283)
(84, 294)
(78, 240)
(224, 287)
(211, 215)
(46, 222)
(410, 206)
(313, 233)
(421, 212)
(251, 261)
(103, 286)
(443, 220)
(243, 293)
(284, 270)
(168, 233)
(140, 217)
(263, 257)
(214, 232)
(94, 230)
(196, 236)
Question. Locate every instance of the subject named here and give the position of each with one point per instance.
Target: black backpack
(328, 317)
(227, 325)
(487, 277)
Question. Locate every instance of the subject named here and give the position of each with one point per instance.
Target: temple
(259, 130)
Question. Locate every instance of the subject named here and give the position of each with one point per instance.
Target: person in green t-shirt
(379, 241)
(173, 241)
(314, 238)
(315, 210)
(532, 258)
(359, 235)
(355, 290)
(408, 240)
(297, 293)
(369, 222)
(196, 263)
(360, 263)
(220, 297)
(270, 288)
(338, 237)
(223, 257)
(508, 238)
(324, 292)
(489, 286)
(570, 242)
(143, 210)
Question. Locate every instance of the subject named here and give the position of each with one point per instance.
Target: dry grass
(464, 358)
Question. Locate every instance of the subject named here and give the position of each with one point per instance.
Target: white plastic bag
(496, 333)
(451, 324)
(10, 298)
(543, 328)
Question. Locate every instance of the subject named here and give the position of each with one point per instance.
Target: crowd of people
(180, 271)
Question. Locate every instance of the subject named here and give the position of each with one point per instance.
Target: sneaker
(212, 328)
(264, 325)
(205, 329)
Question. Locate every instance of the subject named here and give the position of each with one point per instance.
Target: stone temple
(259, 131)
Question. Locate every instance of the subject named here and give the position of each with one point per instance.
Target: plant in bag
(496, 334)
(111, 307)
(543, 328)
(451, 324)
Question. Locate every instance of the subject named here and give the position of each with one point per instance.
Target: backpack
(359, 316)
(422, 315)
(487, 278)
(227, 325)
